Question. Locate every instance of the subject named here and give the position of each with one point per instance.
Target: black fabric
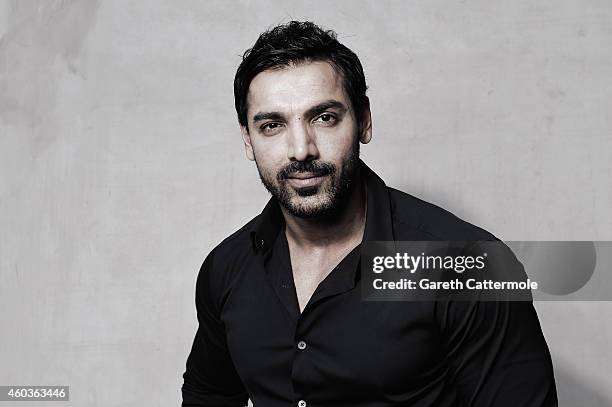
(358, 353)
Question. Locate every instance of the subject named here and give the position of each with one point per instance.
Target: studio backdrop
(122, 165)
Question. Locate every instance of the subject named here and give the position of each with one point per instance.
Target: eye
(270, 128)
(326, 119)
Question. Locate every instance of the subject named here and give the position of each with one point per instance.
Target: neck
(347, 225)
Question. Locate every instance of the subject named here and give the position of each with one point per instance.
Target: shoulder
(223, 263)
(239, 242)
(413, 216)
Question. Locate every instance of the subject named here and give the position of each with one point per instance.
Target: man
(280, 311)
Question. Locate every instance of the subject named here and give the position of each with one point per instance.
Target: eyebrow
(313, 111)
(267, 116)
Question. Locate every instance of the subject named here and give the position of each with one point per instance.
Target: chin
(309, 207)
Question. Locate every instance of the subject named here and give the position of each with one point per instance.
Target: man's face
(304, 137)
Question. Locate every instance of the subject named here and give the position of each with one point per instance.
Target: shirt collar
(379, 221)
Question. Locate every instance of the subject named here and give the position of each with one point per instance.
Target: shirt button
(301, 403)
(302, 346)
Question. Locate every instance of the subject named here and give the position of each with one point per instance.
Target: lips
(303, 180)
(304, 175)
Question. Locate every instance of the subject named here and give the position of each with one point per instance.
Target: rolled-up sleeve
(210, 378)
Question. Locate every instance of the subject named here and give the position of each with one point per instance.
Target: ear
(365, 128)
(246, 138)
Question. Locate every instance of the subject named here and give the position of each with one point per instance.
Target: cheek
(270, 155)
(335, 144)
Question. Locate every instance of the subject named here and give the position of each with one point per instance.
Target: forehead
(295, 88)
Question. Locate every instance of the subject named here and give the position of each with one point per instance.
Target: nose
(301, 145)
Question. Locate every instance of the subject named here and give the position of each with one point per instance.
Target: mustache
(317, 168)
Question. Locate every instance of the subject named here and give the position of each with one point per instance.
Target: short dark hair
(292, 43)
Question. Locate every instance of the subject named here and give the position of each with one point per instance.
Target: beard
(319, 201)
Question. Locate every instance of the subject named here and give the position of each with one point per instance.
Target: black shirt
(252, 340)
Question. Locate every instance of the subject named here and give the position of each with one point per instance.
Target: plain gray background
(121, 164)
